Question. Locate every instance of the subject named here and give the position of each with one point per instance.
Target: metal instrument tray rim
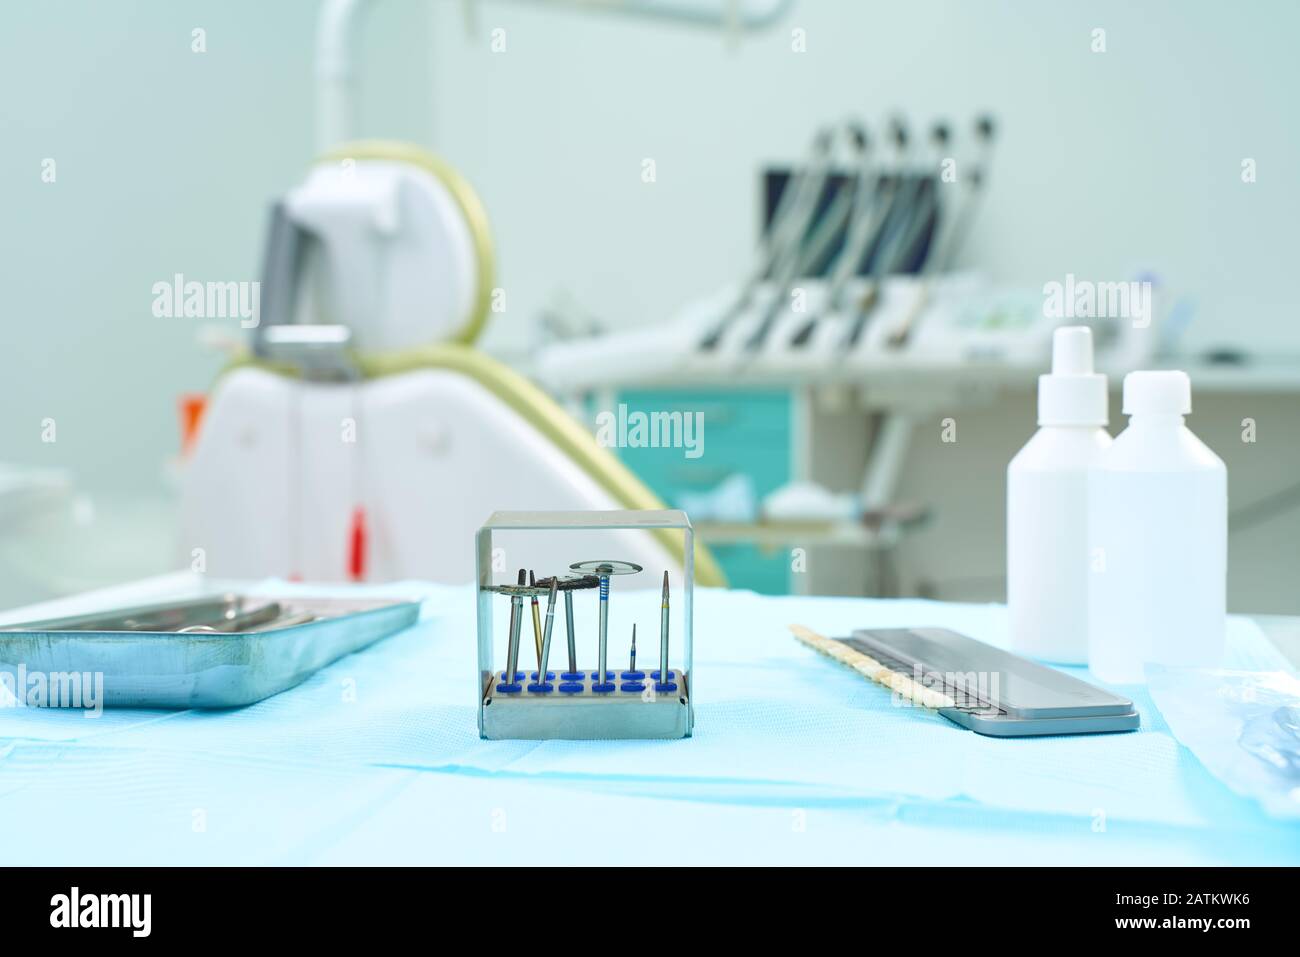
(176, 670)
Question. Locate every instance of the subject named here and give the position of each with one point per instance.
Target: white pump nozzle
(1072, 394)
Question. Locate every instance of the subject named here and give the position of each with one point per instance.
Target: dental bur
(604, 625)
(603, 571)
(568, 622)
(516, 620)
(537, 621)
(664, 677)
(545, 656)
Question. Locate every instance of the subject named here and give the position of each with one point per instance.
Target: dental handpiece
(975, 183)
(822, 232)
(898, 196)
(940, 243)
(795, 210)
(871, 197)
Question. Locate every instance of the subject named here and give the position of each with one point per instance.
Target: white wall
(1108, 163)
(166, 160)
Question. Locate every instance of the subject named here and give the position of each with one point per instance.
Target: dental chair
(363, 437)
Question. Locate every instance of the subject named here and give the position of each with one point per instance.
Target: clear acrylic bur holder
(585, 715)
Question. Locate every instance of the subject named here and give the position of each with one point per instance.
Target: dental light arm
(337, 30)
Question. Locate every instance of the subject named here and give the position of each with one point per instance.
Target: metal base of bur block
(586, 714)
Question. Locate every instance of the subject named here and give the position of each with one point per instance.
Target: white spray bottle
(1047, 499)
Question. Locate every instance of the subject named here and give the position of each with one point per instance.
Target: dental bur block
(571, 691)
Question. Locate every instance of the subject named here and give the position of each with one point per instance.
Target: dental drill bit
(537, 621)
(568, 621)
(512, 652)
(663, 634)
(604, 625)
(546, 637)
(631, 662)
(602, 571)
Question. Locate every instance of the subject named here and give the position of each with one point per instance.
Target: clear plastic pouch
(1244, 726)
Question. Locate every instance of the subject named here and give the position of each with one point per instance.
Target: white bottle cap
(1072, 394)
(1157, 393)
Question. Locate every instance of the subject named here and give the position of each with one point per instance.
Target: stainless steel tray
(222, 651)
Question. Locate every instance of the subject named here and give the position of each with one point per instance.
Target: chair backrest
(429, 444)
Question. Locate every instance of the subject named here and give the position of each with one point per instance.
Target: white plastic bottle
(1047, 497)
(1158, 524)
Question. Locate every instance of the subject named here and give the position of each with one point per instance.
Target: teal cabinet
(746, 432)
